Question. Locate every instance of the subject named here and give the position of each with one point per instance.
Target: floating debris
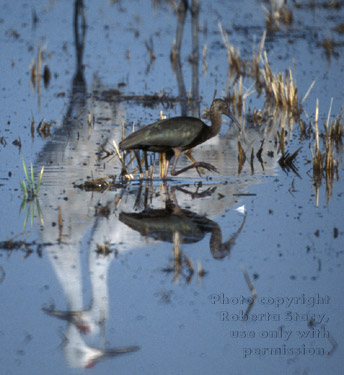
(98, 184)
(26, 247)
(17, 143)
(3, 141)
(103, 249)
(241, 210)
(200, 271)
(103, 211)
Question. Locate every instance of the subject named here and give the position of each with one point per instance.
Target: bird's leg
(196, 165)
(146, 195)
(191, 158)
(167, 163)
(146, 163)
(162, 162)
(137, 155)
(168, 157)
(137, 204)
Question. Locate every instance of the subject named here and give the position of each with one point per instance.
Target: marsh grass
(29, 186)
(326, 162)
(237, 65)
(332, 139)
(277, 16)
(335, 131)
(238, 98)
(279, 89)
(280, 93)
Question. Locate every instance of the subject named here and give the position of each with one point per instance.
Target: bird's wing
(174, 132)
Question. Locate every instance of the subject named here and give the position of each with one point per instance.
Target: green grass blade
(32, 213)
(33, 187)
(40, 212)
(40, 179)
(26, 219)
(24, 188)
(25, 171)
(23, 205)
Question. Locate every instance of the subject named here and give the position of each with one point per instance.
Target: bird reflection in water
(176, 225)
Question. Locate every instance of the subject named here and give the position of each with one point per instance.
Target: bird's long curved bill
(240, 128)
(236, 122)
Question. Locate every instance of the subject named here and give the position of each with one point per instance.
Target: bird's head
(221, 107)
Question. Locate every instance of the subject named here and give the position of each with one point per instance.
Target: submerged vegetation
(30, 190)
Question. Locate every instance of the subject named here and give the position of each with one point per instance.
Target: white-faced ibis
(177, 134)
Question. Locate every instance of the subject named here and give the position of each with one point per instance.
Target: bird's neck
(216, 121)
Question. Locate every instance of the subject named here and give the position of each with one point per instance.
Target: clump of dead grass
(279, 89)
(326, 162)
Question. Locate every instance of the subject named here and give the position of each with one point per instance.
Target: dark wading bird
(177, 134)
